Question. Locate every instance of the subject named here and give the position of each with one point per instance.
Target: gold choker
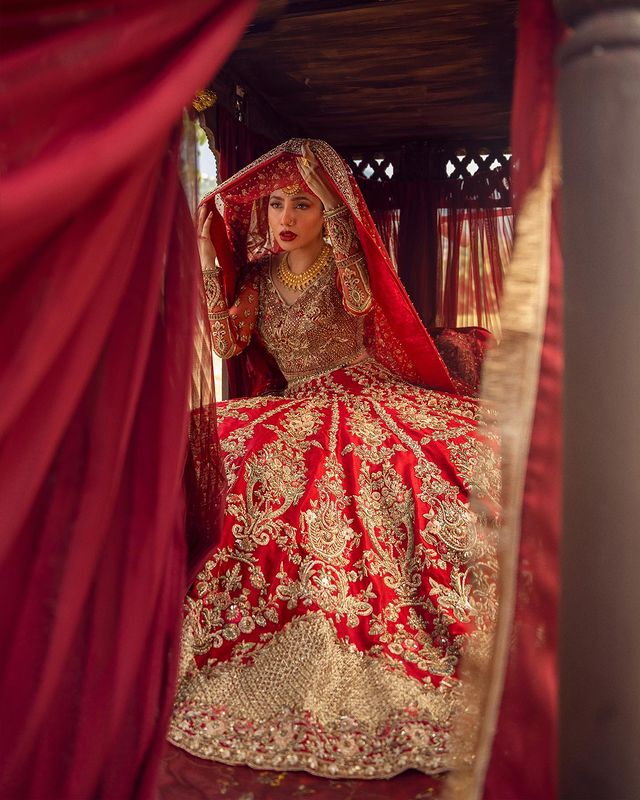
(297, 282)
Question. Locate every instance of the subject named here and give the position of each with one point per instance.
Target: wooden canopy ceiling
(374, 73)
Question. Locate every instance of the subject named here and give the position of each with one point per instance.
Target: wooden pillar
(599, 100)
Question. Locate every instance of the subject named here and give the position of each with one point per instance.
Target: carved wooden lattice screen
(466, 161)
(374, 166)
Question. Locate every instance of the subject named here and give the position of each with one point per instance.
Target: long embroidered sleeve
(231, 328)
(352, 268)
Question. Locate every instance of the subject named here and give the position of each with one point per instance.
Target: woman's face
(296, 220)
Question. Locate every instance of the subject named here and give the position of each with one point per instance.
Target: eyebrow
(296, 197)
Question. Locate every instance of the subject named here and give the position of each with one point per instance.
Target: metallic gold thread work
(325, 631)
(309, 701)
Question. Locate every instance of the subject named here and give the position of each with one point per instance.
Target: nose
(288, 218)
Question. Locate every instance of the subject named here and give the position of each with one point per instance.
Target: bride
(325, 630)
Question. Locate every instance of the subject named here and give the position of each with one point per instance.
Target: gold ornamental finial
(204, 99)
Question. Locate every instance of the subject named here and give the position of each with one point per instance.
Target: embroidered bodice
(315, 333)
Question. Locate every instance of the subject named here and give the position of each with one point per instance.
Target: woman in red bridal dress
(325, 630)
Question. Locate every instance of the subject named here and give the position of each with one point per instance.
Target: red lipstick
(288, 236)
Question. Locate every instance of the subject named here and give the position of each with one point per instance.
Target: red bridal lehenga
(325, 630)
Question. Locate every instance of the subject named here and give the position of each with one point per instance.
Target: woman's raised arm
(352, 267)
(231, 328)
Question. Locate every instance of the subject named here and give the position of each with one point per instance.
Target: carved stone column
(599, 98)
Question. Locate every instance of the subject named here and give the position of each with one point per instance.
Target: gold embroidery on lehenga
(325, 529)
(233, 446)
(326, 629)
(275, 480)
(326, 532)
(310, 701)
(304, 565)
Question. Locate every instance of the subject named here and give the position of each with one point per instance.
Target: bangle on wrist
(214, 268)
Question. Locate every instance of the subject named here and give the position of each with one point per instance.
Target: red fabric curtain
(523, 765)
(99, 278)
(474, 239)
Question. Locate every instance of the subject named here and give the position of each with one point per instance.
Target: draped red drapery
(474, 233)
(523, 764)
(99, 283)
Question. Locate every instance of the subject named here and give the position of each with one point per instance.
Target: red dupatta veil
(394, 334)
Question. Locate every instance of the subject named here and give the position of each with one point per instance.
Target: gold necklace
(300, 281)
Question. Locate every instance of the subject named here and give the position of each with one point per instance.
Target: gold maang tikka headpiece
(295, 188)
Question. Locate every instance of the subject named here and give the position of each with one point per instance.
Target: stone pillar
(599, 103)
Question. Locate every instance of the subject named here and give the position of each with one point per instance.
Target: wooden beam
(363, 69)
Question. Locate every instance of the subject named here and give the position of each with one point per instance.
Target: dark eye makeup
(278, 204)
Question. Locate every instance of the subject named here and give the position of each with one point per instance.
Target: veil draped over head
(394, 334)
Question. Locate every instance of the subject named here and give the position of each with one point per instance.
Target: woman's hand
(206, 250)
(315, 179)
